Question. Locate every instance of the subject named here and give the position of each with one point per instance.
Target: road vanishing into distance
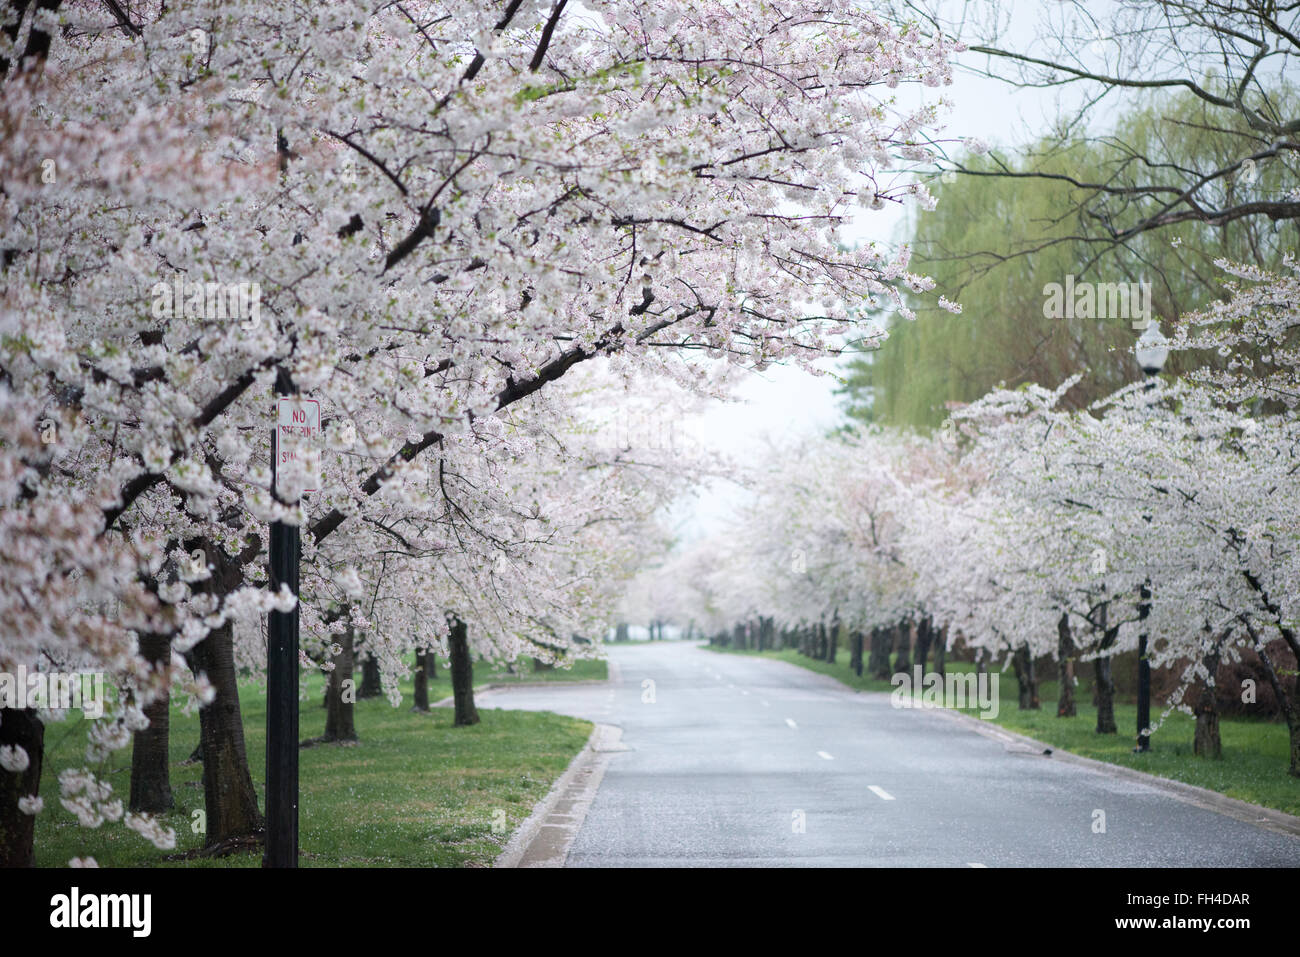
(734, 760)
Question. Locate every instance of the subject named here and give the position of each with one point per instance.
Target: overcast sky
(784, 401)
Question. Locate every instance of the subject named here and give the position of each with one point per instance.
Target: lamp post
(1151, 353)
(282, 678)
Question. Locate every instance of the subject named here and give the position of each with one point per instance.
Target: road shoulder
(544, 839)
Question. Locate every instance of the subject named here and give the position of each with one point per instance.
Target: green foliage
(995, 241)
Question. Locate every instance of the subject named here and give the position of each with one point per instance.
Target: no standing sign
(298, 429)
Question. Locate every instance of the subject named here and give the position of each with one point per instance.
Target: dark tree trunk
(739, 632)
(1065, 706)
(371, 685)
(151, 789)
(855, 652)
(941, 651)
(832, 646)
(620, 632)
(1104, 693)
(1207, 743)
(924, 635)
(228, 795)
(1105, 696)
(421, 684)
(1022, 684)
(341, 693)
(18, 830)
(882, 669)
(903, 664)
(462, 674)
(1026, 678)
(540, 665)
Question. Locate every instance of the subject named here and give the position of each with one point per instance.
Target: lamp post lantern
(1151, 353)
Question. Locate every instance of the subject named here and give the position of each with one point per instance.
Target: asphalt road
(741, 761)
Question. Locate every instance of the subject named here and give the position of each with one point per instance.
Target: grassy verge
(415, 792)
(585, 669)
(1255, 753)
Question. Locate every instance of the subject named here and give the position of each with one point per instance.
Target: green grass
(584, 669)
(415, 792)
(1255, 752)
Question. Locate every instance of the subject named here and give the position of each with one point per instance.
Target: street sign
(298, 429)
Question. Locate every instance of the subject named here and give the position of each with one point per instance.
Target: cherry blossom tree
(422, 215)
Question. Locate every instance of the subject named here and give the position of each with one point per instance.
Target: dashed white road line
(880, 792)
(823, 755)
(790, 722)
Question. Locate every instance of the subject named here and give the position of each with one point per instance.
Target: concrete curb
(1267, 818)
(544, 839)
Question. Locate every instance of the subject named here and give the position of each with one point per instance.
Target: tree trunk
(1022, 679)
(462, 674)
(421, 684)
(1105, 696)
(1207, 743)
(371, 685)
(151, 789)
(903, 664)
(341, 692)
(228, 795)
(1065, 706)
(18, 830)
(832, 645)
(924, 635)
(855, 652)
(941, 651)
(882, 669)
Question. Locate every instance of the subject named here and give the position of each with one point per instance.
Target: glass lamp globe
(1151, 351)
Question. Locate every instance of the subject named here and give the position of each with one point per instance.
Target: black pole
(282, 682)
(1144, 675)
